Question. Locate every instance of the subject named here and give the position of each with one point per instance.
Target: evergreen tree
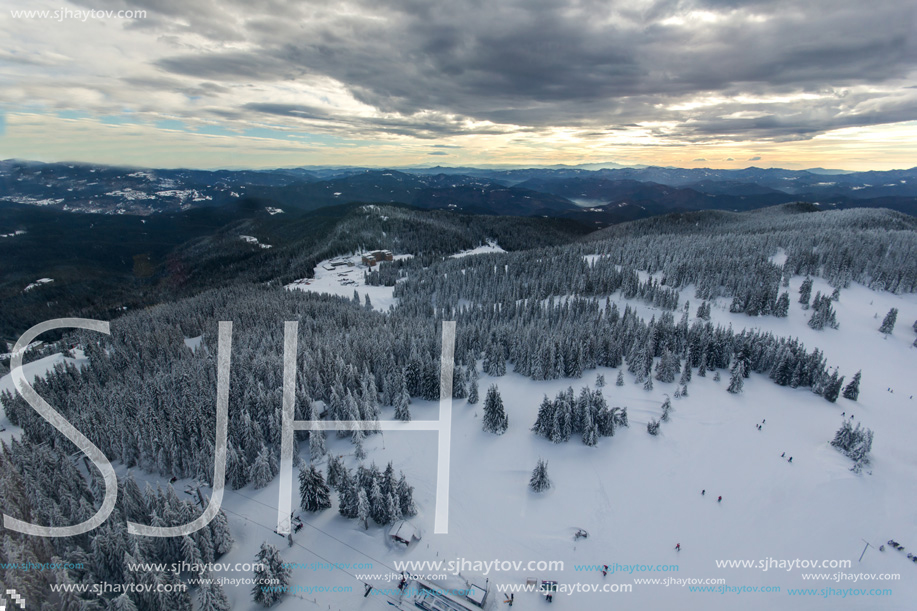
(652, 427)
(685, 374)
(271, 576)
(347, 496)
(599, 381)
(545, 419)
(317, 444)
(261, 473)
(336, 471)
(473, 391)
(738, 377)
(782, 307)
(405, 494)
(620, 380)
(539, 481)
(363, 509)
(888, 324)
(666, 408)
(833, 387)
(314, 494)
(402, 403)
(124, 603)
(316, 438)
(495, 420)
(805, 293)
(855, 443)
(210, 596)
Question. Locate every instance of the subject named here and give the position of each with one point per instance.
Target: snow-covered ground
(344, 275)
(254, 241)
(490, 247)
(638, 495)
(38, 283)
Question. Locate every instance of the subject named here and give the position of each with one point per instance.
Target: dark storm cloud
(594, 65)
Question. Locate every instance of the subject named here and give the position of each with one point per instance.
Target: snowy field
(490, 247)
(638, 495)
(344, 275)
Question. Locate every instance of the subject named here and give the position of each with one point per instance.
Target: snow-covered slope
(343, 276)
(638, 495)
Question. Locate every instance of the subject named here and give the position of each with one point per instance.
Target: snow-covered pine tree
(336, 470)
(402, 403)
(737, 381)
(405, 494)
(317, 447)
(363, 509)
(666, 408)
(888, 323)
(599, 381)
(124, 603)
(685, 374)
(473, 391)
(495, 420)
(782, 307)
(852, 390)
(620, 379)
(314, 494)
(347, 496)
(261, 472)
(539, 482)
(590, 429)
(619, 416)
(545, 419)
(652, 427)
(210, 595)
(833, 387)
(271, 576)
(805, 293)
(855, 443)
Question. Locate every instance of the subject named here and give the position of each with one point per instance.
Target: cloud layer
(666, 72)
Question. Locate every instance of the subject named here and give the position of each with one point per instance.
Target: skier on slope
(719, 499)
(678, 547)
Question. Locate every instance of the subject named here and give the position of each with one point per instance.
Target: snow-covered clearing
(344, 275)
(38, 283)
(490, 247)
(254, 241)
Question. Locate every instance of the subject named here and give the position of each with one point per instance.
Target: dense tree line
(42, 484)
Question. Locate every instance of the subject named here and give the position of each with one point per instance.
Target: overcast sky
(718, 83)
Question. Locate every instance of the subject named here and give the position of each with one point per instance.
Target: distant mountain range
(595, 196)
